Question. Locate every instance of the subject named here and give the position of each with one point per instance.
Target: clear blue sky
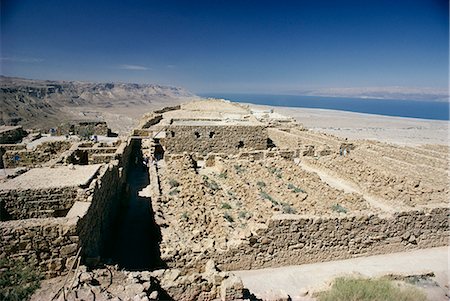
(229, 46)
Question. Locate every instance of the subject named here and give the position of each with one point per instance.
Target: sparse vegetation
(261, 184)
(268, 197)
(213, 185)
(18, 281)
(345, 289)
(223, 175)
(226, 206)
(231, 194)
(173, 183)
(295, 188)
(228, 217)
(239, 168)
(338, 208)
(276, 171)
(286, 208)
(243, 214)
(185, 216)
(174, 192)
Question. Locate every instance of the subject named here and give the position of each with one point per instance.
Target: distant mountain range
(34, 102)
(405, 93)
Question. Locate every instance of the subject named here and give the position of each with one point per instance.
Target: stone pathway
(296, 281)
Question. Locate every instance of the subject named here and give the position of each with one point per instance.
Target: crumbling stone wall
(217, 139)
(84, 128)
(290, 240)
(44, 152)
(11, 134)
(30, 203)
(49, 244)
(8, 147)
(106, 196)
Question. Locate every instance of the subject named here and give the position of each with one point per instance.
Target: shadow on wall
(135, 245)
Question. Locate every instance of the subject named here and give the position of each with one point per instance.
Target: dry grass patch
(359, 289)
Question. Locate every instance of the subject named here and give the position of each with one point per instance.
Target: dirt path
(295, 281)
(347, 187)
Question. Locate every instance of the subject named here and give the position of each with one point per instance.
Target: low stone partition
(36, 203)
(49, 244)
(292, 240)
(24, 158)
(283, 139)
(43, 153)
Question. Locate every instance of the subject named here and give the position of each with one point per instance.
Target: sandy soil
(398, 130)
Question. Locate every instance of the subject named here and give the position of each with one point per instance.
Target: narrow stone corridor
(135, 246)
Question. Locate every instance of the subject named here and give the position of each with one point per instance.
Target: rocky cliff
(39, 102)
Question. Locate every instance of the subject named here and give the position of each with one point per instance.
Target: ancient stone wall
(23, 158)
(36, 203)
(207, 139)
(44, 152)
(291, 240)
(11, 134)
(106, 196)
(283, 139)
(49, 244)
(9, 147)
(84, 128)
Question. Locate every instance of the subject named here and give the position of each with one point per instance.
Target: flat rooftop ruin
(56, 177)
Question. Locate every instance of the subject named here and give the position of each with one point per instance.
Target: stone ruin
(50, 205)
(230, 189)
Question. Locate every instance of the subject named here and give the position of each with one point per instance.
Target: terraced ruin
(225, 188)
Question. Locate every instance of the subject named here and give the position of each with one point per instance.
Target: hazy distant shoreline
(436, 110)
(390, 129)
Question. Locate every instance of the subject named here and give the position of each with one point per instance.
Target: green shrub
(228, 217)
(18, 281)
(213, 185)
(185, 216)
(295, 188)
(226, 206)
(231, 194)
(338, 208)
(223, 175)
(345, 289)
(274, 169)
(243, 214)
(239, 168)
(174, 191)
(261, 184)
(268, 197)
(288, 209)
(173, 183)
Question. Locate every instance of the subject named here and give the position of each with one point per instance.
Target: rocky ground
(110, 283)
